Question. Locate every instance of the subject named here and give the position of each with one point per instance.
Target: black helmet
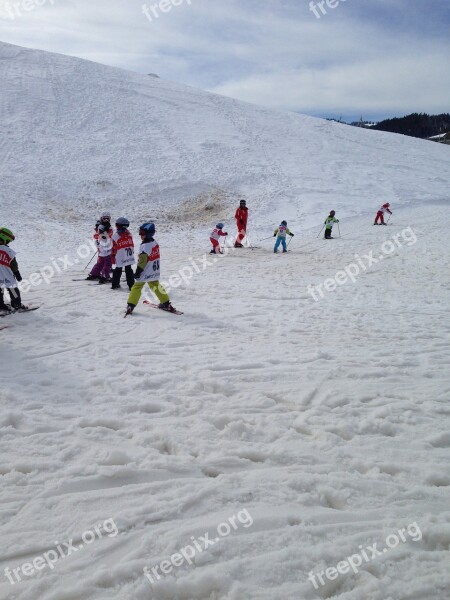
(332, 213)
(284, 223)
(122, 223)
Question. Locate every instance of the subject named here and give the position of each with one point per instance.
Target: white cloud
(272, 52)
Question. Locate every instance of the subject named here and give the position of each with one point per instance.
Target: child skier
(122, 254)
(241, 217)
(215, 236)
(380, 214)
(147, 271)
(280, 233)
(9, 272)
(329, 222)
(102, 236)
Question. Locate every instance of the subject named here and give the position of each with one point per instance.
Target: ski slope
(321, 426)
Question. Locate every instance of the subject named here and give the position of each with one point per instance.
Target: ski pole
(267, 238)
(89, 261)
(224, 243)
(289, 242)
(339, 229)
(320, 231)
(389, 218)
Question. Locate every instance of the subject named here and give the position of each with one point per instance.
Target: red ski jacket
(241, 216)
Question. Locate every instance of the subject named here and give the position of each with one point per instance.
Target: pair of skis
(172, 310)
(5, 313)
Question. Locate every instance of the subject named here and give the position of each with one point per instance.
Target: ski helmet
(6, 235)
(386, 205)
(332, 213)
(243, 202)
(105, 216)
(284, 223)
(219, 225)
(147, 229)
(122, 223)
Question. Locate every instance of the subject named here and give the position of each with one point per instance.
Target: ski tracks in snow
(257, 398)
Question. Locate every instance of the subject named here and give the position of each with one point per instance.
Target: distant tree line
(418, 125)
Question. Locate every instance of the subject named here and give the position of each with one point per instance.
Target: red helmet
(386, 205)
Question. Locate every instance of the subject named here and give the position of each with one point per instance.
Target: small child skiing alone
(380, 214)
(9, 272)
(148, 271)
(102, 236)
(329, 222)
(215, 237)
(280, 233)
(122, 254)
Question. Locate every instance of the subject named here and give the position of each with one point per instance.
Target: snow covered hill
(296, 414)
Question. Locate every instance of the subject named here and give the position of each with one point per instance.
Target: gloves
(138, 272)
(337, 220)
(274, 235)
(291, 234)
(225, 233)
(18, 276)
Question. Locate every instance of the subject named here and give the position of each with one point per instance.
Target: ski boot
(91, 278)
(130, 308)
(166, 306)
(20, 307)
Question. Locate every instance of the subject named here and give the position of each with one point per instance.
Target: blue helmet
(219, 225)
(147, 229)
(284, 223)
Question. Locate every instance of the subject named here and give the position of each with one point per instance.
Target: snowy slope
(326, 422)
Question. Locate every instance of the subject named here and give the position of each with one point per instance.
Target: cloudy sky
(378, 58)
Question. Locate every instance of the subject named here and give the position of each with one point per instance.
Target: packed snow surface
(244, 450)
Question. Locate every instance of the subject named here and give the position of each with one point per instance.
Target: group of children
(115, 252)
(114, 248)
(117, 248)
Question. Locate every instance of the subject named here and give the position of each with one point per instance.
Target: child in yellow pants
(148, 271)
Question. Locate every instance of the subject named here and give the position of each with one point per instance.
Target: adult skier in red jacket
(241, 217)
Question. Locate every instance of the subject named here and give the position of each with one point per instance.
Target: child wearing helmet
(215, 236)
(102, 236)
(122, 254)
(9, 272)
(380, 214)
(148, 271)
(280, 233)
(329, 222)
